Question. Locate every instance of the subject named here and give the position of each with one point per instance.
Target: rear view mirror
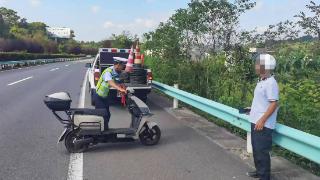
(88, 65)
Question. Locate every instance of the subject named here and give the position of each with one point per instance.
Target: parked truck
(103, 60)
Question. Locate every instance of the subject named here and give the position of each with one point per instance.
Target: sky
(95, 20)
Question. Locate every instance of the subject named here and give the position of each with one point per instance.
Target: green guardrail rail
(299, 142)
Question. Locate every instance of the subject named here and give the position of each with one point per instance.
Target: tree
(23, 23)
(311, 23)
(164, 42)
(205, 26)
(36, 28)
(62, 48)
(16, 34)
(287, 30)
(3, 27)
(221, 18)
(106, 43)
(210, 25)
(249, 38)
(10, 16)
(190, 23)
(277, 34)
(72, 47)
(19, 33)
(123, 40)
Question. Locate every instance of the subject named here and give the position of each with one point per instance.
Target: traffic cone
(130, 61)
(137, 59)
(142, 60)
(138, 74)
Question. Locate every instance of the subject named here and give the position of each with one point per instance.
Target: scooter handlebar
(130, 90)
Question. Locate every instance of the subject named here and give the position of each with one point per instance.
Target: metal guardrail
(299, 142)
(22, 63)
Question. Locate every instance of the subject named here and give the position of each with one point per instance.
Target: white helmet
(267, 60)
(120, 60)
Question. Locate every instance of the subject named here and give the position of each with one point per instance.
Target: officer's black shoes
(253, 174)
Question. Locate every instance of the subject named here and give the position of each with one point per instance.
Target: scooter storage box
(58, 101)
(89, 119)
(89, 122)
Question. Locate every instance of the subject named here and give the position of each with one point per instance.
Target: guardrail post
(249, 145)
(175, 101)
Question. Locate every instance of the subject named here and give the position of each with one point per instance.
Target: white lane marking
(67, 65)
(83, 91)
(20, 81)
(75, 171)
(54, 69)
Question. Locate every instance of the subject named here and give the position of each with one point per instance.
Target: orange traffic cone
(137, 55)
(130, 61)
(142, 59)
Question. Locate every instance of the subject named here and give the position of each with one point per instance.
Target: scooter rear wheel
(69, 143)
(149, 136)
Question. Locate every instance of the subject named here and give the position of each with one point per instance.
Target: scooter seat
(86, 111)
(89, 122)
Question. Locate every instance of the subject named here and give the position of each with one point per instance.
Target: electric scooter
(85, 127)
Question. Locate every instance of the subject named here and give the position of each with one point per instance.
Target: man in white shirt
(263, 115)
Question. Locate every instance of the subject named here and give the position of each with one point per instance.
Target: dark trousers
(261, 146)
(103, 103)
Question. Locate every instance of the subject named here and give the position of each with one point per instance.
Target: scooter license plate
(61, 137)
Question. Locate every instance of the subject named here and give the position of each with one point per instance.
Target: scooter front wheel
(149, 136)
(71, 137)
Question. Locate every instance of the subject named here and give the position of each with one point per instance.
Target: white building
(62, 33)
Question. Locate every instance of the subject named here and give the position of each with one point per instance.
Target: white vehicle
(103, 60)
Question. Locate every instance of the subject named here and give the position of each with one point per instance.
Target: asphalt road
(29, 132)
(181, 154)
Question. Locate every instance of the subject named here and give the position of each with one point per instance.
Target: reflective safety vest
(103, 87)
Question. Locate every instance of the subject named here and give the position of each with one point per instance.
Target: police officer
(108, 79)
(263, 115)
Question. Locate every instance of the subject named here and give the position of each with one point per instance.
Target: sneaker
(253, 174)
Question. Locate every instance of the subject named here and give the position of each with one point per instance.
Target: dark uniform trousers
(261, 146)
(103, 103)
